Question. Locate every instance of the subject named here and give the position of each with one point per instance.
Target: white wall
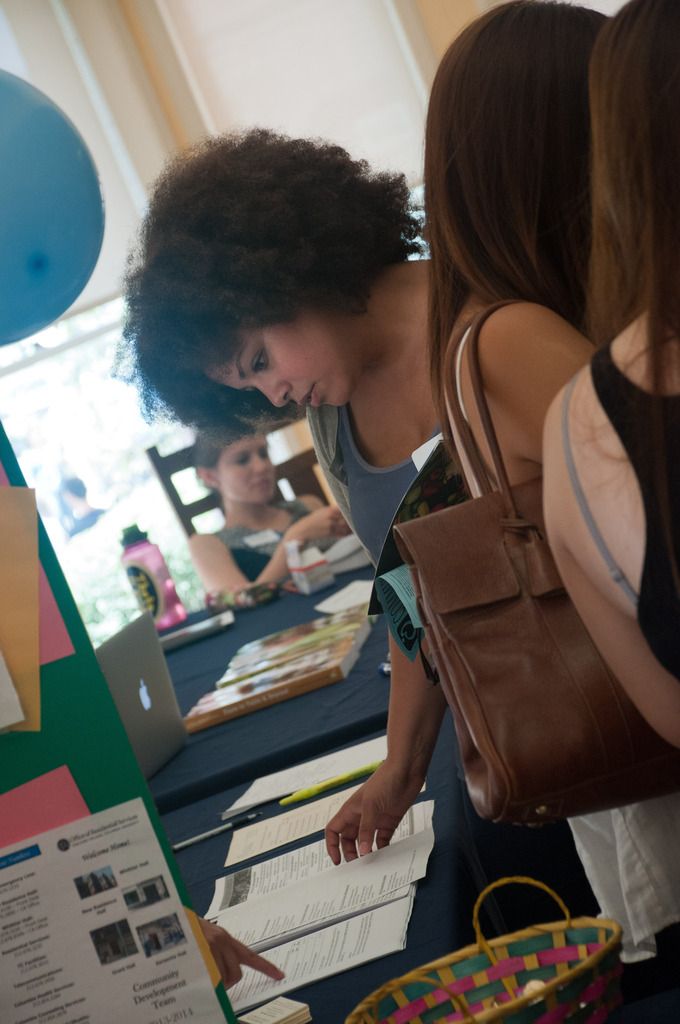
(340, 71)
(36, 48)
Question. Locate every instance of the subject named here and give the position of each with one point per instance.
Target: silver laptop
(134, 667)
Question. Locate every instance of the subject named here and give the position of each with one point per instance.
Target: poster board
(93, 903)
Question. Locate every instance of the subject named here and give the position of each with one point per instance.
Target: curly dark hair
(247, 230)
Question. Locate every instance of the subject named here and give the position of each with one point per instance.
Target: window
(67, 417)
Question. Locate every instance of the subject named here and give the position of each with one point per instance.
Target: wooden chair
(298, 471)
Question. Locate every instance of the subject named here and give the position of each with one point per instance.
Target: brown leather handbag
(545, 731)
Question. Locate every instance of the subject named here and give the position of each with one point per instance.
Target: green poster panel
(80, 729)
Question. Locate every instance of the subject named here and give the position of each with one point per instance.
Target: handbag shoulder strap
(471, 456)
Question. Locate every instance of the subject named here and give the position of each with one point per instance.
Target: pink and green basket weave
(576, 960)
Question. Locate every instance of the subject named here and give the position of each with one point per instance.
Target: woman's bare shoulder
(525, 336)
(526, 354)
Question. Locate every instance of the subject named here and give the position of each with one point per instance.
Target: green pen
(321, 787)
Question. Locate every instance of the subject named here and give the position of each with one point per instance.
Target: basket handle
(362, 1013)
(511, 879)
(521, 880)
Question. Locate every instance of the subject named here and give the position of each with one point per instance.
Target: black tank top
(628, 407)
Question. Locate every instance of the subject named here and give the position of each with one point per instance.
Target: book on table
(283, 665)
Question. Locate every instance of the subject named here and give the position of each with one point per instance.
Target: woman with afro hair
(279, 268)
(272, 278)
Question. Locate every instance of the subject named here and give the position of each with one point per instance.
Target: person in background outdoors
(612, 437)
(77, 514)
(258, 523)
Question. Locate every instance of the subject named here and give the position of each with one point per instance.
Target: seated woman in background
(612, 438)
(250, 547)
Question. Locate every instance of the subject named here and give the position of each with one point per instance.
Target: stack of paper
(297, 866)
(346, 554)
(309, 773)
(313, 919)
(328, 951)
(338, 893)
(283, 665)
(280, 1011)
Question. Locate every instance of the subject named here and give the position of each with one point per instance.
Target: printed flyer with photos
(92, 928)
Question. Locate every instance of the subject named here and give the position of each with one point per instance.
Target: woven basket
(577, 960)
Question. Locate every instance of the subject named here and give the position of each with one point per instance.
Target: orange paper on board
(55, 642)
(19, 639)
(50, 800)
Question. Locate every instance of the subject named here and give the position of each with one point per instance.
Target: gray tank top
(374, 491)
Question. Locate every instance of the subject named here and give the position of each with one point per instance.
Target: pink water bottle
(151, 579)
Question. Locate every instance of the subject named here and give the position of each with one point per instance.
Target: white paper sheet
(92, 928)
(11, 711)
(346, 554)
(422, 454)
(328, 951)
(310, 773)
(303, 821)
(280, 1011)
(303, 863)
(352, 596)
(334, 895)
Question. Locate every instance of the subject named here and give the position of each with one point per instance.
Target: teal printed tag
(398, 600)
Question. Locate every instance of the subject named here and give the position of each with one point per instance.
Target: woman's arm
(214, 564)
(230, 955)
(324, 521)
(372, 813)
(217, 569)
(312, 502)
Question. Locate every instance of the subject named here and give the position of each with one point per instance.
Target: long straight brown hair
(635, 264)
(635, 102)
(507, 166)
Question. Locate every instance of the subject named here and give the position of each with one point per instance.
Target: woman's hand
(372, 813)
(327, 521)
(230, 955)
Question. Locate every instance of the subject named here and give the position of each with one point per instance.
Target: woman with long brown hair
(530, 349)
(507, 203)
(612, 440)
(507, 213)
(612, 437)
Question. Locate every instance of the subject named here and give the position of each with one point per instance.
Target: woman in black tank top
(613, 439)
(631, 411)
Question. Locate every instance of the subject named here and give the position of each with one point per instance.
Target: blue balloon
(51, 211)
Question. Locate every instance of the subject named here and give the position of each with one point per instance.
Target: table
(467, 855)
(437, 915)
(217, 764)
(272, 738)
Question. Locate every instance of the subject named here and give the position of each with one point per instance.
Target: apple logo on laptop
(144, 695)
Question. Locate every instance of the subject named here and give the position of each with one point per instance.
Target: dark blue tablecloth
(274, 737)
(468, 854)
(441, 915)
(218, 763)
